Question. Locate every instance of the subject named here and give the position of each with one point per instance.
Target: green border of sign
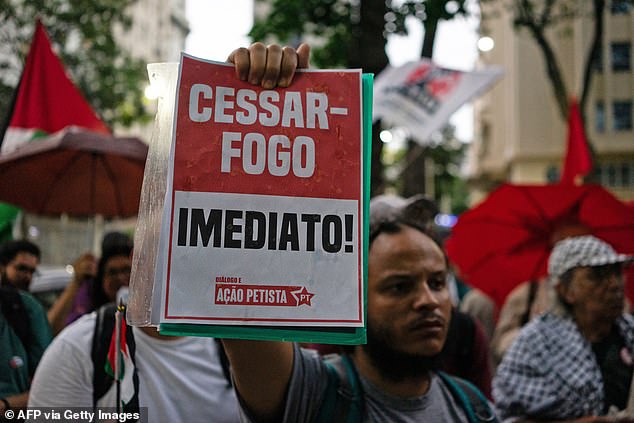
(323, 335)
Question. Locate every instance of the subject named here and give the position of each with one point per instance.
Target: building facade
(520, 135)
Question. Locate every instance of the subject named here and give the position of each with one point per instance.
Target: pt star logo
(303, 297)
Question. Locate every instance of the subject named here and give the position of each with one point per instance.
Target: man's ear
(565, 292)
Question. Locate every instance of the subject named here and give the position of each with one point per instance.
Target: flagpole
(117, 356)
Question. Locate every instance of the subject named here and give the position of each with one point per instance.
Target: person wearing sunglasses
(574, 362)
(95, 282)
(24, 328)
(18, 263)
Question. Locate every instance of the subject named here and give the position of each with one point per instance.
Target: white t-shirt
(179, 380)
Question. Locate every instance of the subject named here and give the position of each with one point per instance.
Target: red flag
(578, 161)
(47, 100)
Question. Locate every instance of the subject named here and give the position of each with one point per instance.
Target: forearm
(261, 371)
(58, 312)
(16, 401)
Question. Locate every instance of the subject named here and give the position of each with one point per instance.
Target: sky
(218, 27)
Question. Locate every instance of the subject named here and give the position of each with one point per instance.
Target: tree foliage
(353, 34)
(82, 34)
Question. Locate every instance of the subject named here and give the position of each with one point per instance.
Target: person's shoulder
(628, 320)
(546, 329)
(534, 327)
(313, 354)
(30, 302)
(534, 333)
(80, 332)
(547, 321)
(626, 327)
(461, 394)
(71, 347)
(38, 319)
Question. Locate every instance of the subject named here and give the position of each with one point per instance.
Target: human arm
(261, 372)
(262, 369)
(16, 402)
(85, 268)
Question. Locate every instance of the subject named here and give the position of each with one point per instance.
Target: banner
(265, 201)
(421, 96)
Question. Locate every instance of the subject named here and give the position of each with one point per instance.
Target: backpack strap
(532, 293)
(224, 362)
(343, 398)
(102, 381)
(474, 403)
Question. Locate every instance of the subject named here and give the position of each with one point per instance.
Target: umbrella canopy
(507, 238)
(76, 172)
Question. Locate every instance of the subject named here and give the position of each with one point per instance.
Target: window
(552, 174)
(616, 175)
(622, 120)
(599, 116)
(597, 64)
(621, 56)
(620, 7)
(626, 174)
(612, 175)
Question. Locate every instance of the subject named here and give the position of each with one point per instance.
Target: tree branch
(546, 13)
(591, 58)
(536, 27)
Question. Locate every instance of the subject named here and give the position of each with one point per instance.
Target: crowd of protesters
(561, 349)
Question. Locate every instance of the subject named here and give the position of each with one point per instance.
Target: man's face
(409, 306)
(116, 274)
(596, 293)
(19, 271)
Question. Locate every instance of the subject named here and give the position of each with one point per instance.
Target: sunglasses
(605, 272)
(114, 271)
(22, 268)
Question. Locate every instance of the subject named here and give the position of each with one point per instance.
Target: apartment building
(520, 136)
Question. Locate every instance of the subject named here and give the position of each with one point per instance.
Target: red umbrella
(76, 172)
(507, 239)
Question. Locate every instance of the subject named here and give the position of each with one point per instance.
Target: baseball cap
(579, 251)
(417, 211)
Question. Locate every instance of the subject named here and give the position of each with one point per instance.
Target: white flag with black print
(421, 96)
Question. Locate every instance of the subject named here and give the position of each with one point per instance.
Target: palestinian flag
(126, 365)
(46, 100)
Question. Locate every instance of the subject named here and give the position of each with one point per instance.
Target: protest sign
(264, 216)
